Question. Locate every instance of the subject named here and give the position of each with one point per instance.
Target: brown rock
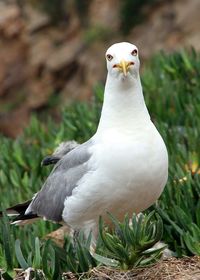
(11, 23)
(105, 14)
(12, 124)
(93, 64)
(13, 68)
(40, 91)
(39, 54)
(170, 26)
(36, 20)
(38, 59)
(76, 88)
(64, 56)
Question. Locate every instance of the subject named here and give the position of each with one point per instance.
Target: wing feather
(49, 201)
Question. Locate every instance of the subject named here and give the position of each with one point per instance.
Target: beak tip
(124, 67)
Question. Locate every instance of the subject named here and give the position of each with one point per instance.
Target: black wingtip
(49, 160)
(23, 217)
(20, 208)
(17, 214)
(17, 210)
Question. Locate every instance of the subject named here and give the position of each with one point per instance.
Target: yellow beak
(123, 66)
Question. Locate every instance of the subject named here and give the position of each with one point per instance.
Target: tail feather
(19, 212)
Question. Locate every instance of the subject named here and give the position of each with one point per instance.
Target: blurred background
(52, 51)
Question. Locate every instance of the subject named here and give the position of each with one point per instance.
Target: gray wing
(49, 201)
(63, 149)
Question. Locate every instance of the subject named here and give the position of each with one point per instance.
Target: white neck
(124, 105)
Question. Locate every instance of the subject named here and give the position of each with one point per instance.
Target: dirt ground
(187, 268)
(176, 269)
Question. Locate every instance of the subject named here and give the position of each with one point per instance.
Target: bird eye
(134, 52)
(109, 57)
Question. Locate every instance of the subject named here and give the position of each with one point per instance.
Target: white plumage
(128, 167)
(122, 169)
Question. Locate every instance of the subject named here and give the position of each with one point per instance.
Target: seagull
(121, 169)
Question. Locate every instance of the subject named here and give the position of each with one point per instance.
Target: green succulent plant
(131, 242)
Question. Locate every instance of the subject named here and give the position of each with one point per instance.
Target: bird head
(123, 61)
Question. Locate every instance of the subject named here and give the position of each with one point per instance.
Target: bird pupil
(134, 52)
(109, 57)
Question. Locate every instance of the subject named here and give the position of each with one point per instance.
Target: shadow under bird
(122, 169)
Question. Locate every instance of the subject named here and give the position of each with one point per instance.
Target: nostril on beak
(124, 66)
